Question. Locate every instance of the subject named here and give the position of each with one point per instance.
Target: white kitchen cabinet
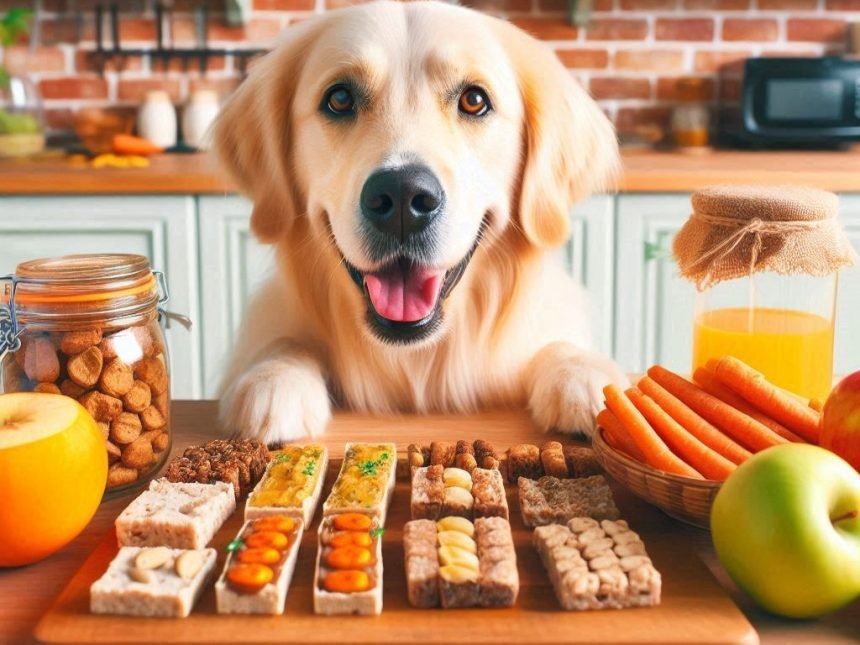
(653, 304)
(232, 265)
(161, 228)
(588, 255)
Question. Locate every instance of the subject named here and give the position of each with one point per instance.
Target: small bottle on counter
(156, 119)
(197, 116)
(691, 119)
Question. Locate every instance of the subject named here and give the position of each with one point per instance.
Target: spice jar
(765, 261)
(86, 326)
(691, 119)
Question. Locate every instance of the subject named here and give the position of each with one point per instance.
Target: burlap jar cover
(735, 231)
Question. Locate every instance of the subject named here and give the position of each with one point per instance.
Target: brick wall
(629, 55)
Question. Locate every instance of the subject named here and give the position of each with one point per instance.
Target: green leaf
(377, 533)
(14, 24)
(235, 545)
(282, 458)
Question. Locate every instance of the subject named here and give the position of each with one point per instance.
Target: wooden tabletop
(643, 171)
(27, 592)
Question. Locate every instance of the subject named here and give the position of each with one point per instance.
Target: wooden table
(26, 593)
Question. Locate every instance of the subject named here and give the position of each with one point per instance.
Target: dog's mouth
(404, 298)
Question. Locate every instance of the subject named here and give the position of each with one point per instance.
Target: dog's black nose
(402, 201)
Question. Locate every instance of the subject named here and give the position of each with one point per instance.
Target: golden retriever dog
(413, 164)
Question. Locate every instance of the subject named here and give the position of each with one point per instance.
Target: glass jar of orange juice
(765, 261)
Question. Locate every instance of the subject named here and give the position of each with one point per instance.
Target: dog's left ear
(570, 147)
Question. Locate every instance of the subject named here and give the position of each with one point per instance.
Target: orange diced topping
(351, 538)
(349, 557)
(352, 522)
(268, 539)
(277, 523)
(346, 581)
(249, 578)
(259, 555)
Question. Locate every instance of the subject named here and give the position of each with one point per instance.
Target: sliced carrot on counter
(706, 380)
(755, 388)
(708, 462)
(693, 423)
(655, 452)
(617, 436)
(745, 430)
(127, 144)
(348, 581)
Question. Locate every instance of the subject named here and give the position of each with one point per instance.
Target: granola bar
(552, 460)
(597, 565)
(457, 563)
(441, 492)
(550, 500)
(581, 461)
(292, 483)
(240, 462)
(524, 461)
(462, 454)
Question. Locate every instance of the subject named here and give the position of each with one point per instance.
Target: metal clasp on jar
(10, 332)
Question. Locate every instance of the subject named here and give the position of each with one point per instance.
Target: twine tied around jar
(735, 231)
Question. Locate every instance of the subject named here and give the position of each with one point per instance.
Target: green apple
(786, 526)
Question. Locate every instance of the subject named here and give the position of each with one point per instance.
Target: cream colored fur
(516, 327)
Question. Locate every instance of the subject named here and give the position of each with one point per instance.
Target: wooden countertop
(27, 592)
(644, 171)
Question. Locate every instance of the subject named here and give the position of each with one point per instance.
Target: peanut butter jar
(87, 326)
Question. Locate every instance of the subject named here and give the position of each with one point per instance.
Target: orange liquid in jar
(793, 349)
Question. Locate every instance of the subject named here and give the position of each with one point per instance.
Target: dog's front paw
(567, 388)
(279, 400)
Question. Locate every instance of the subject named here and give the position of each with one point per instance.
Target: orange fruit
(53, 470)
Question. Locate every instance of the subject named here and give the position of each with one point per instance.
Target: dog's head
(402, 136)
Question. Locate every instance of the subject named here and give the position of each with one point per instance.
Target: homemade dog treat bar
(291, 484)
(439, 492)
(258, 570)
(448, 454)
(182, 516)
(365, 482)
(455, 563)
(552, 459)
(348, 576)
(550, 500)
(597, 565)
(240, 462)
(152, 581)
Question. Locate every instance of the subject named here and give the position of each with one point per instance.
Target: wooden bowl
(685, 499)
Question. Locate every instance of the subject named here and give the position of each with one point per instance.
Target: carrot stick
(656, 453)
(693, 423)
(617, 436)
(754, 387)
(706, 380)
(708, 462)
(746, 431)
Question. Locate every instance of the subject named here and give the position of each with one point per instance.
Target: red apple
(840, 420)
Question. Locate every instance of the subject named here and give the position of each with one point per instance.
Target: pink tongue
(404, 294)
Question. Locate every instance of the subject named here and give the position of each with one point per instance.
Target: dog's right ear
(252, 135)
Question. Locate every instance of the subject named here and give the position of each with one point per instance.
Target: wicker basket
(685, 499)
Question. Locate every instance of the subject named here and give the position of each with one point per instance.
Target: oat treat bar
(422, 563)
(259, 566)
(240, 462)
(291, 484)
(348, 574)
(152, 581)
(177, 515)
(550, 500)
(441, 492)
(552, 460)
(581, 461)
(456, 563)
(597, 565)
(365, 482)
(524, 461)
(462, 454)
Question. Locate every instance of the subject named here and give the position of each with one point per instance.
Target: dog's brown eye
(474, 102)
(340, 100)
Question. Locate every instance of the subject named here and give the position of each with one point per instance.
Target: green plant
(14, 24)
